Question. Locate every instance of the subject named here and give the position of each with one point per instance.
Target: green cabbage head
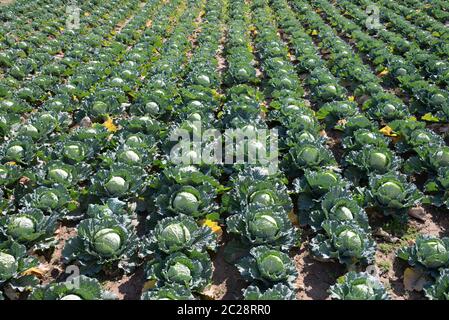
(21, 226)
(186, 202)
(71, 297)
(175, 234)
(271, 266)
(117, 185)
(264, 227)
(432, 253)
(179, 273)
(107, 242)
(8, 266)
(262, 198)
(349, 240)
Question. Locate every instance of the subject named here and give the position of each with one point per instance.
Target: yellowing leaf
(314, 32)
(216, 94)
(213, 225)
(86, 14)
(11, 163)
(293, 218)
(388, 131)
(429, 117)
(414, 280)
(351, 98)
(150, 284)
(33, 272)
(383, 72)
(109, 124)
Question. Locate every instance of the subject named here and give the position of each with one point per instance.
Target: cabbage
(186, 202)
(58, 174)
(21, 226)
(349, 240)
(361, 292)
(203, 80)
(71, 297)
(433, 253)
(73, 151)
(422, 137)
(107, 242)
(306, 137)
(442, 158)
(134, 141)
(100, 108)
(326, 179)
(389, 108)
(175, 234)
(358, 286)
(390, 190)
(378, 160)
(48, 199)
(264, 227)
(29, 130)
(117, 185)
(129, 156)
(15, 152)
(179, 273)
(310, 155)
(3, 173)
(367, 137)
(271, 266)
(343, 213)
(262, 198)
(8, 266)
(152, 108)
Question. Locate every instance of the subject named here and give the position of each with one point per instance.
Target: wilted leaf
(213, 225)
(414, 280)
(150, 284)
(293, 218)
(109, 124)
(383, 73)
(388, 131)
(208, 293)
(33, 272)
(417, 213)
(429, 117)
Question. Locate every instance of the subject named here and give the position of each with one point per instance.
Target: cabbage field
(114, 182)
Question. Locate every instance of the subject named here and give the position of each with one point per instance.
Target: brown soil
(315, 277)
